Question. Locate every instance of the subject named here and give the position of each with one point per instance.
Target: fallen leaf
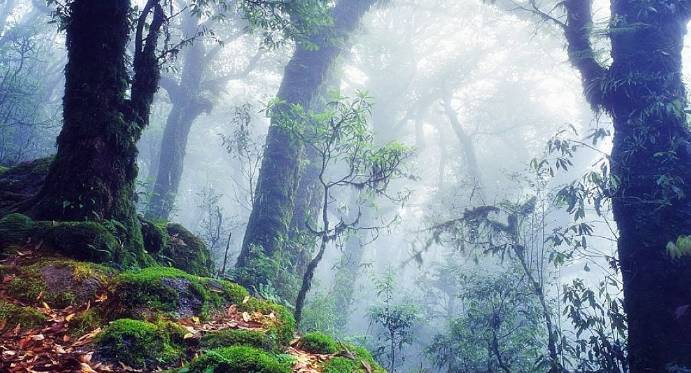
(38, 337)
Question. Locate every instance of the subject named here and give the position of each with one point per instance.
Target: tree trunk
(93, 174)
(644, 93)
(187, 107)
(304, 76)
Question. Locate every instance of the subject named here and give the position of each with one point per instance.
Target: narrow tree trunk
(187, 107)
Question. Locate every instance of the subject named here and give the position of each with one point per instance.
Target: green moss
(12, 315)
(80, 240)
(3, 169)
(318, 343)
(58, 282)
(345, 365)
(172, 291)
(233, 337)
(140, 344)
(237, 359)
(84, 322)
(185, 251)
(15, 229)
(283, 328)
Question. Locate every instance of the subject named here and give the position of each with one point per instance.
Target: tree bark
(644, 93)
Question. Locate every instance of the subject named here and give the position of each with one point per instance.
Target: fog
(485, 97)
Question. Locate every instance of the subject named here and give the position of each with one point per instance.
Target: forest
(345, 186)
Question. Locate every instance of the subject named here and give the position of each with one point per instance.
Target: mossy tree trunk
(93, 174)
(306, 73)
(643, 92)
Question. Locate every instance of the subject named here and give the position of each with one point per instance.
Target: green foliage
(318, 343)
(233, 337)
(341, 136)
(236, 359)
(321, 315)
(600, 326)
(680, 248)
(12, 315)
(394, 320)
(140, 344)
(500, 325)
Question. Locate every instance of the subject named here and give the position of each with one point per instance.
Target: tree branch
(579, 22)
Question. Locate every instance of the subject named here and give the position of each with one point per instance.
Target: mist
(447, 184)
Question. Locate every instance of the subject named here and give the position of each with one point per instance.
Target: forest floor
(51, 345)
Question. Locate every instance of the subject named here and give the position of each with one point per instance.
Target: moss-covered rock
(22, 182)
(145, 293)
(185, 251)
(235, 337)
(236, 359)
(140, 344)
(59, 282)
(353, 359)
(318, 343)
(12, 315)
(155, 236)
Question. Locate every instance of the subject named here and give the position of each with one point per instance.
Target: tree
(308, 70)
(93, 173)
(347, 159)
(642, 90)
(395, 319)
(190, 95)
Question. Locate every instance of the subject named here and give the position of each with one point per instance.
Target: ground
(62, 315)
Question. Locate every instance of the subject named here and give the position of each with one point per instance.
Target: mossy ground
(12, 315)
(159, 338)
(141, 344)
(232, 337)
(362, 363)
(318, 343)
(237, 359)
